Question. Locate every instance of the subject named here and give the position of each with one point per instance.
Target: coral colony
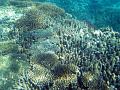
(44, 48)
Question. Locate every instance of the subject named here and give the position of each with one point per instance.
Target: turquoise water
(101, 13)
(59, 45)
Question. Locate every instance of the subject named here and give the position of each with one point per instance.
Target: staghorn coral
(35, 20)
(80, 48)
(88, 49)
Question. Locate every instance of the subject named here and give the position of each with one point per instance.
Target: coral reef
(47, 59)
(53, 51)
(63, 70)
(32, 20)
(8, 46)
(101, 13)
(20, 3)
(38, 17)
(93, 51)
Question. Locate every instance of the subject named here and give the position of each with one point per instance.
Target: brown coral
(31, 20)
(40, 16)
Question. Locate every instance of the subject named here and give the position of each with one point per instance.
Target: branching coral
(38, 17)
(31, 20)
(80, 49)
